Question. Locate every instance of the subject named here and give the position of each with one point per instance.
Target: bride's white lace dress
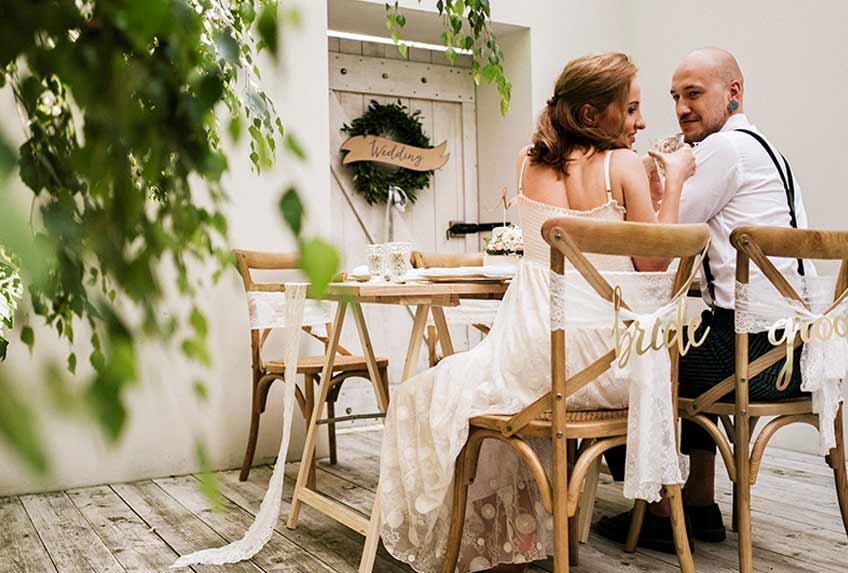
(427, 421)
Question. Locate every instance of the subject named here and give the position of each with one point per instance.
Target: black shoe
(656, 531)
(706, 522)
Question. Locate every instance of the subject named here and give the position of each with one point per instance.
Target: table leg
(318, 407)
(419, 324)
(370, 359)
(442, 329)
(372, 537)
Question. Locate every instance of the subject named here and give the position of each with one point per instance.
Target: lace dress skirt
(427, 425)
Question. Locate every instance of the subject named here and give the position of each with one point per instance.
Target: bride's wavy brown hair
(600, 80)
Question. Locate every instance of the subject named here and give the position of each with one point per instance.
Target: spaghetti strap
(521, 175)
(607, 183)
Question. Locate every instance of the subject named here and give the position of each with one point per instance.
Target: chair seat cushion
(579, 423)
(314, 364)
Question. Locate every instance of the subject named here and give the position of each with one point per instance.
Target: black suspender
(788, 185)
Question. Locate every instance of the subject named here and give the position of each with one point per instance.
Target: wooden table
(427, 298)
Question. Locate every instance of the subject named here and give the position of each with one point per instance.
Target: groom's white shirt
(735, 184)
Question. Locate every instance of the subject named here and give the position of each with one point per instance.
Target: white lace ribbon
(824, 359)
(652, 458)
(284, 310)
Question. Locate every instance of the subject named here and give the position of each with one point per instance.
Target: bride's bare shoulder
(538, 181)
(624, 159)
(625, 164)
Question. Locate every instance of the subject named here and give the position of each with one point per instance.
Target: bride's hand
(679, 165)
(654, 181)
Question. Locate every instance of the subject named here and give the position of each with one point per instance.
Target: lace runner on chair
(652, 458)
(823, 329)
(283, 310)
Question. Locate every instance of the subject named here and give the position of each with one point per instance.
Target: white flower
(507, 241)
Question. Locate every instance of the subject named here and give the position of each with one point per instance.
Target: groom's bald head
(715, 62)
(707, 89)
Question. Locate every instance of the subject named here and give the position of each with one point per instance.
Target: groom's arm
(715, 180)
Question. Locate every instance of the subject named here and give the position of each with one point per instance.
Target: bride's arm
(629, 171)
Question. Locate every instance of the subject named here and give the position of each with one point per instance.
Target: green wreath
(394, 121)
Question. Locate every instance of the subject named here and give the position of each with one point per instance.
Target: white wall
(165, 416)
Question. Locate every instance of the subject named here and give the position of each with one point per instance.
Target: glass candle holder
(376, 261)
(397, 260)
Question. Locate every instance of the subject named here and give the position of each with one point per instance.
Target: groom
(740, 179)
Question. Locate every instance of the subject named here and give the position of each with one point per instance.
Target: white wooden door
(445, 95)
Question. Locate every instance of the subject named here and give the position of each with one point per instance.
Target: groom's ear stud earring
(732, 106)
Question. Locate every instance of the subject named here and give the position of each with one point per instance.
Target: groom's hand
(656, 186)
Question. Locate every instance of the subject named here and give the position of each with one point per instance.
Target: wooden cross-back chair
(266, 372)
(425, 260)
(739, 415)
(548, 417)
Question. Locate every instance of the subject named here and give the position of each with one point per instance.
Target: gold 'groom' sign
(375, 148)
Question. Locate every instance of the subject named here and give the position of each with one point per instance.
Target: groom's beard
(707, 131)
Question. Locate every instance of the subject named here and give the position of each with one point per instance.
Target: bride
(580, 163)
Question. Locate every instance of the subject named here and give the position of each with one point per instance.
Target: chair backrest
(421, 260)
(756, 244)
(572, 238)
(248, 261)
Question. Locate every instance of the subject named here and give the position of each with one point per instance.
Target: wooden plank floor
(144, 526)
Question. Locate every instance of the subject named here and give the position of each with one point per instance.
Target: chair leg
(432, 339)
(460, 499)
(743, 495)
(636, 520)
(384, 377)
(331, 433)
(574, 540)
(836, 460)
(734, 520)
(678, 528)
(561, 521)
(252, 436)
(587, 500)
(309, 401)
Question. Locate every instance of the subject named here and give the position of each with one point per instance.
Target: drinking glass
(667, 145)
(376, 261)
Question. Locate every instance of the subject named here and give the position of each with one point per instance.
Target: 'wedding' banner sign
(382, 150)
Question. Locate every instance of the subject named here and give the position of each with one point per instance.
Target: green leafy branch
(121, 108)
(466, 27)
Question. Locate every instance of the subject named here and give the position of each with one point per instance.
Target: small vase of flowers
(505, 247)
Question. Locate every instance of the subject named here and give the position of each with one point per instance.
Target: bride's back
(583, 189)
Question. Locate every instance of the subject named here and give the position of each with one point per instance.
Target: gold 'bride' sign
(375, 148)
(664, 334)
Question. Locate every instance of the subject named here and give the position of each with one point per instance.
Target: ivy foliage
(124, 105)
(11, 290)
(466, 27)
(394, 122)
